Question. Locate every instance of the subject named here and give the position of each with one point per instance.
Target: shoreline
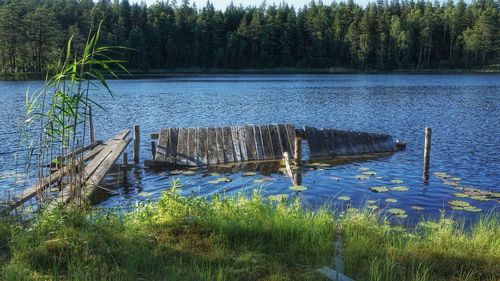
(181, 72)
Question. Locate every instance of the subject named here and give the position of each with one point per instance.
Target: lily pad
(379, 189)
(364, 169)
(455, 179)
(400, 188)
(372, 207)
(402, 216)
(452, 183)
(258, 181)
(457, 208)
(417, 208)
(278, 197)
(369, 173)
(214, 182)
(472, 209)
(397, 181)
(391, 200)
(361, 177)
(249, 174)
(370, 201)
(396, 211)
(224, 179)
(298, 188)
(441, 175)
(344, 198)
(460, 195)
(480, 197)
(144, 194)
(458, 203)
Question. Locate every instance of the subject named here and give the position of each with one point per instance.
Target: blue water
(463, 111)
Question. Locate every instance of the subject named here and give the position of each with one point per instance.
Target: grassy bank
(241, 238)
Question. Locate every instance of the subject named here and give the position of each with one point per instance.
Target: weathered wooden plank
(163, 148)
(375, 143)
(243, 143)
(334, 145)
(275, 138)
(192, 155)
(310, 133)
(340, 139)
(203, 146)
(250, 142)
(228, 145)
(91, 186)
(267, 142)
(290, 132)
(182, 147)
(220, 145)
(330, 145)
(174, 139)
(322, 143)
(258, 142)
(284, 139)
(392, 143)
(212, 146)
(236, 144)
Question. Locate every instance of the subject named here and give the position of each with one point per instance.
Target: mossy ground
(241, 238)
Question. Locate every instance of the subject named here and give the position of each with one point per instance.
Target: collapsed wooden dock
(221, 145)
(79, 175)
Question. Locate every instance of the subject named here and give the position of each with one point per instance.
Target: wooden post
(125, 167)
(91, 126)
(153, 149)
(298, 151)
(137, 140)
(427, 153)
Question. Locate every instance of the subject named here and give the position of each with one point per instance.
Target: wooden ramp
(86, 186)
(220, 145)
(97, 159)
(328, 143)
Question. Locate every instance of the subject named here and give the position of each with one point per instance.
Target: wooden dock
(96, 159)
(222, 145)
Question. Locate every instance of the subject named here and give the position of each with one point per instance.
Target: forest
(167, 35)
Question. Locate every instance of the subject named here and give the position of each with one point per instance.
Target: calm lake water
(463, 111)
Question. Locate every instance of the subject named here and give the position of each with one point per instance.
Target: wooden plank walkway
(87, 185)
(27, 194)
(221, 145)
(328, 143)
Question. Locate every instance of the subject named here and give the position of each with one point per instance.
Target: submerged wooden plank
(203, 146)
(193, 154)
(267, 142)
(236, 144)
(243, 143)
(212, 146)
(228, 145)
(182, 147)
(220, 145)
(290, 135)
(250, 142)
(275, 138)
(258, 143)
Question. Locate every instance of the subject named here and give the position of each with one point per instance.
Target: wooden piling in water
(125, 167)
(427, 153)
(137, 140)
(153, 149)
(91, 126)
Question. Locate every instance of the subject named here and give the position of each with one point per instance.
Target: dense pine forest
(170, 35)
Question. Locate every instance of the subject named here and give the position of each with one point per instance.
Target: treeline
(167, 35)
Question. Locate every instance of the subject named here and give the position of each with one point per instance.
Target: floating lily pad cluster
(399, 213)
(344, 198)
(462, 206)
(220, 180)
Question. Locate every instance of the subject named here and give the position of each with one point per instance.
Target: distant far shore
(158, 73)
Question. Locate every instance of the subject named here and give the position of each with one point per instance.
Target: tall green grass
(241, 238)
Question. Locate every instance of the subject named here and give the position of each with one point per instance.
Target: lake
(463, 111)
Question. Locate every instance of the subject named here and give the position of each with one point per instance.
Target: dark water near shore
(463, 111)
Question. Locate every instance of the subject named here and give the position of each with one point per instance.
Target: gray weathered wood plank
(267, 142)
(250, 142)
(220, 145)
(258, 143)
